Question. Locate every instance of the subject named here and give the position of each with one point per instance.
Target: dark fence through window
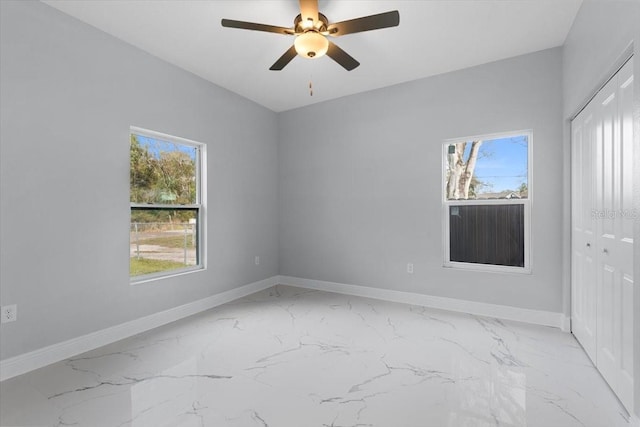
(487, 234)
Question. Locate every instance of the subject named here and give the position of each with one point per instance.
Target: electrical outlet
(9, 313)
(257, 260)
(410, 268)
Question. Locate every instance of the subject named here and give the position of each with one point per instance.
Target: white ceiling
(434, 37)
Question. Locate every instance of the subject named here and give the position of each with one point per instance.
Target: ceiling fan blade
(284, 59)
(309, 10)
(366, 23)
(230, 23)
(341, 57)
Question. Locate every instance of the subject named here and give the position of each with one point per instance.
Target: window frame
(527, 203)
(200, 205)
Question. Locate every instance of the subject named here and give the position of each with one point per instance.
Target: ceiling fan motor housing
(320, 25)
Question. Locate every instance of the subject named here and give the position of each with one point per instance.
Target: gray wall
(360, 181)
(69, 94)
(601, 33)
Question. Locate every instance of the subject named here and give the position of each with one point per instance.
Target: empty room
(340, 213)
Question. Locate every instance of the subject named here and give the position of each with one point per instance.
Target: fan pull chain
(310, 88)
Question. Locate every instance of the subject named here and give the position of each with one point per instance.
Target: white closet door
(606, 104)
(583, 290)
(624, 231)
(602, 232)
(615, 241)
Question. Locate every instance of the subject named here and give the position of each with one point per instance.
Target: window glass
(162, 172)
(487, 234)
(488, 169)
(165, 205)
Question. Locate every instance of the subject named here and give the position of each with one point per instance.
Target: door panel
(625, 391)
(583, 291)
(602, 242)
(606, 202)
(607, 352)
(624, 232)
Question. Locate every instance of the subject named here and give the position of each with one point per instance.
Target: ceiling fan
(311, 29)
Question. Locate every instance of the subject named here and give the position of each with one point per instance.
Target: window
(166, 189)
(487, 201)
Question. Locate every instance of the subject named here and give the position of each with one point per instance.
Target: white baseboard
(566, 324)
(537, 317)
(23, 363)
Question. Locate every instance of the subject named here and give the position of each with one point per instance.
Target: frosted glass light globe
(311, 45)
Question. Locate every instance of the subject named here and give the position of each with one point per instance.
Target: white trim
(23, 363)
(159, 206)
(481, 202)
(566, 325)
(536, 317)
(160, 275)
(164, 136)
(486, 267)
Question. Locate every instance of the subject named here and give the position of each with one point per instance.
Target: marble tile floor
(290, 357)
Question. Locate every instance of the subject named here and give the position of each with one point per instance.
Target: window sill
(137, 280)
(485, 268)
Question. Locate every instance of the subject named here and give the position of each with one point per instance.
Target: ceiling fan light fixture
(311, 45)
